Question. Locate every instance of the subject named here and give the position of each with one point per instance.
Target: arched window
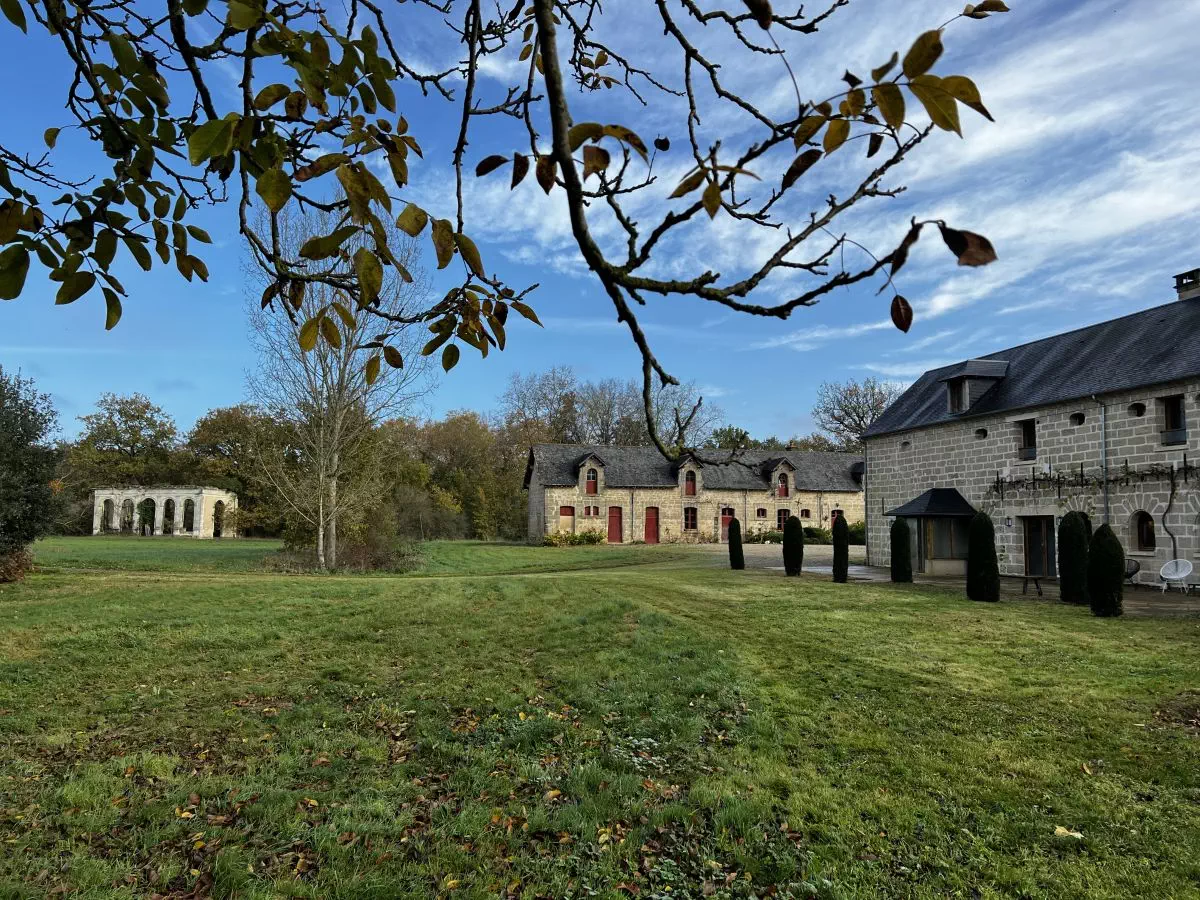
(127, 517)
(168, 516)
(189, 515)
(593, 480)
(689, 484)
(783, 485)
(806, 513)
(219, 519)
(1143, 526)
(106, 517)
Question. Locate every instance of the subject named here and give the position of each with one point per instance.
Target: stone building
(1104, 420)
(195, 512)
(634, 494)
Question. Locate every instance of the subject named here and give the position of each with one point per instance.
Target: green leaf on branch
(213, 138)
(112, 309)
(372, 370)
(890, 101)
(50, 136)
(938, 102)
(689, 184)
(270, 95)
(329, 331)
(881, 72)
(711, 199)
(470, 253)
(344, 314)
(14, 13)
(443, 241)
(585, 131)
(321, 166)
(964, 91)
(370, 275)
(489, 164)
(412, 220)
(327, 245)
(14, 266)
(244, 14)
(836, 134)
(275, 188)
(75, 287)
(393, 358)
(309, 331)
(450, 357)
(526, 312)
(922, 54)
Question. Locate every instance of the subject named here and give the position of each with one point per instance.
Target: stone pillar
(159, 514)
(198, 518)
(97, 512)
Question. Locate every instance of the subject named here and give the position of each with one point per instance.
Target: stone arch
(168, 525)
(189, 516)
(107, 514)
(146, 510)
(218, 518)
(1143, 536)
(127, 510)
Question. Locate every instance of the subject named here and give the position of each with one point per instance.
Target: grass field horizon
(642, 724)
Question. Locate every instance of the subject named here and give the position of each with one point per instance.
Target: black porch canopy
(935, 503)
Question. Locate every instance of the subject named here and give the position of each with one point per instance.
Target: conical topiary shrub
(983, 571)
(793, 546)
(737, 559)
(1105, 573)
(901, 552)
(841, 550)
(1073, 558)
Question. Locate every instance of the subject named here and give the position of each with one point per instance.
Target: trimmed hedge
(1106, 573)
(841, 550)
(737, 559)
(1073, 538)
(901, 552)
(983, 570)
(793, 546)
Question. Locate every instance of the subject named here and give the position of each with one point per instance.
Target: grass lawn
(666, 730)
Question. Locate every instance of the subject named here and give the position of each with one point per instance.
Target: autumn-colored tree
(318, 104)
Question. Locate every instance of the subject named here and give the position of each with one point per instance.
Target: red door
(614, 524)
(726, 517)
(651, 525)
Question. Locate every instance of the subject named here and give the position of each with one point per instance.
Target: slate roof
(630, 467)
(1150, 347)
(935, 503)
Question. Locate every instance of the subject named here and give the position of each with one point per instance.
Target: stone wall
(545, 502)
(970, 453)
(205, 500)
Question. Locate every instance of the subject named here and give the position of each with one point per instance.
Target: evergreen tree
(841, 550)
(1105, 573)
(983, 571)
(793, 546)
(1073, 538)
(737, 559)
(901, 552)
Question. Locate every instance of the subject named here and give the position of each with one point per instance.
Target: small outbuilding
(195, 512)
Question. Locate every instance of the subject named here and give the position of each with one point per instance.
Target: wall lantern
(1008, 521)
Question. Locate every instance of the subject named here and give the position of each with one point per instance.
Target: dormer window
(593, 480)
(782, 489)
(956, 390)
(689, 484)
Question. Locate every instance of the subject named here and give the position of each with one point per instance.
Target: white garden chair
(1176, 573)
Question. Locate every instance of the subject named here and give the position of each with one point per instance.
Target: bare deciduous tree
(846, 410)
(327, 393)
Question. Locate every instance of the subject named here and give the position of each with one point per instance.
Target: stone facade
(545, 502)
(211, 512)
(978, 455)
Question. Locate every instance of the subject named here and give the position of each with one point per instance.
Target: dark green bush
(858, 534)
(28, 499)
(763, 537)
(841, 550)
(1087, 524)
(1105, 573)
(793, 546)
(1073, 538)
(901, 552)
(983, 571)
(815, 534)
(737, 559)
(574, 538)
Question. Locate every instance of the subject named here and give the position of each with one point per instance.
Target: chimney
(1187, 284)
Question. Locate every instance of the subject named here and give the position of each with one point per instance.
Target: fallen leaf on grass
(1059, 831)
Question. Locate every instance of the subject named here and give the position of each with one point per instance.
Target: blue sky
(1088, 185)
